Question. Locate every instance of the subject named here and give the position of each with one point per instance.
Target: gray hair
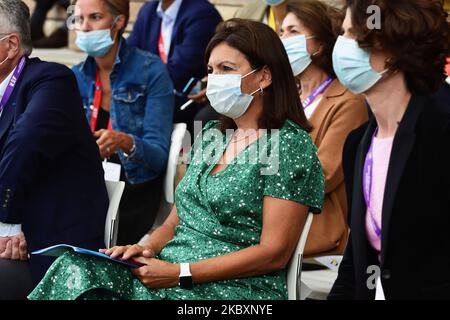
(15, 17)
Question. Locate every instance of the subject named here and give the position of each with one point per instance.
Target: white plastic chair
(115, 191)
(168, 199)
(294, 268)
(178, 133)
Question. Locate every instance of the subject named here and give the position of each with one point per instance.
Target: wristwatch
(186, 277)
(133, 149)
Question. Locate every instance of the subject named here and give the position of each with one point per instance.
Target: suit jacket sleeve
(198, 31)
(42, 132)
(134, 40)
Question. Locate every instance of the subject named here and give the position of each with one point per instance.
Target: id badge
(112, 171)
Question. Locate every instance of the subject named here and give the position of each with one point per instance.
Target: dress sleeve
(295, 172)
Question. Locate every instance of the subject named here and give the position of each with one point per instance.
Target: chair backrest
(178, 133)
(294, 268)
(115, 191)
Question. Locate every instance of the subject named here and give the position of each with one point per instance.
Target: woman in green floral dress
(243, 201)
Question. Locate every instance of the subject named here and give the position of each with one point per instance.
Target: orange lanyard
(162, 48)
(97, 104)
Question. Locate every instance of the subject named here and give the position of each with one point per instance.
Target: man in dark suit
(178, 31)
(51, 180)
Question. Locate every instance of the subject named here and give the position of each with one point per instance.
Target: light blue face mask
(297, 50)
(95, 43)
(352, 66)
(273, 2)
(225, 94)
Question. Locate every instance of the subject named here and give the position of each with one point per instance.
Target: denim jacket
(141, 105)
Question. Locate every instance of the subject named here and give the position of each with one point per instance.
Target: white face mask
(225, 94)
(297, 50)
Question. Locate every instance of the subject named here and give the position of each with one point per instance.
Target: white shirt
(8, 230)
(448, 80)
(168, 22)
(311, 108)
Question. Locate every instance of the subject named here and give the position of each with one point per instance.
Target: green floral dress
(219, 214)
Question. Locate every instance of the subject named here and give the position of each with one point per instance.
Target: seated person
(242, 204)
(309, 38)
(396, 164)
(128, 101)
(178, 31)
(52, 185)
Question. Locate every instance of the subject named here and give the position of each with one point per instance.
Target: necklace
(234, 140)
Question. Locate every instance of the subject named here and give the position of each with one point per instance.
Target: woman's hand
(14, 248)
(128, 252)
(201, 96)
(110, 141)
(157, 274)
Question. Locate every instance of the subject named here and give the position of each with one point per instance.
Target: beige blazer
(338, 113)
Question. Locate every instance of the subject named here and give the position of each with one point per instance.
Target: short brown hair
(324, 22)
(414, 32)
(263, 48)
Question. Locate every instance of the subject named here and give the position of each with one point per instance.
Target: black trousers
(15, 280)
(138, 209)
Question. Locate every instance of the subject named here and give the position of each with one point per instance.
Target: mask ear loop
(7, 58)
(318, 51)
(112, 26)
(1, 63)
(250, 73)
(260, 90)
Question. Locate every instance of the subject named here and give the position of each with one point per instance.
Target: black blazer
(51, 178)
(415, 255)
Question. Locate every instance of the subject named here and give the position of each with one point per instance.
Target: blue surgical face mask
(273, 2)
(95, 43)
(225, 95)
(298, 54)
(352, 66)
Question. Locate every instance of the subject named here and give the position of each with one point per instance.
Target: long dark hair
(263, 48)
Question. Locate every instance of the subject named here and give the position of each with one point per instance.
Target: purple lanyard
(367, 185)
(317, 91)
(12, 83)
